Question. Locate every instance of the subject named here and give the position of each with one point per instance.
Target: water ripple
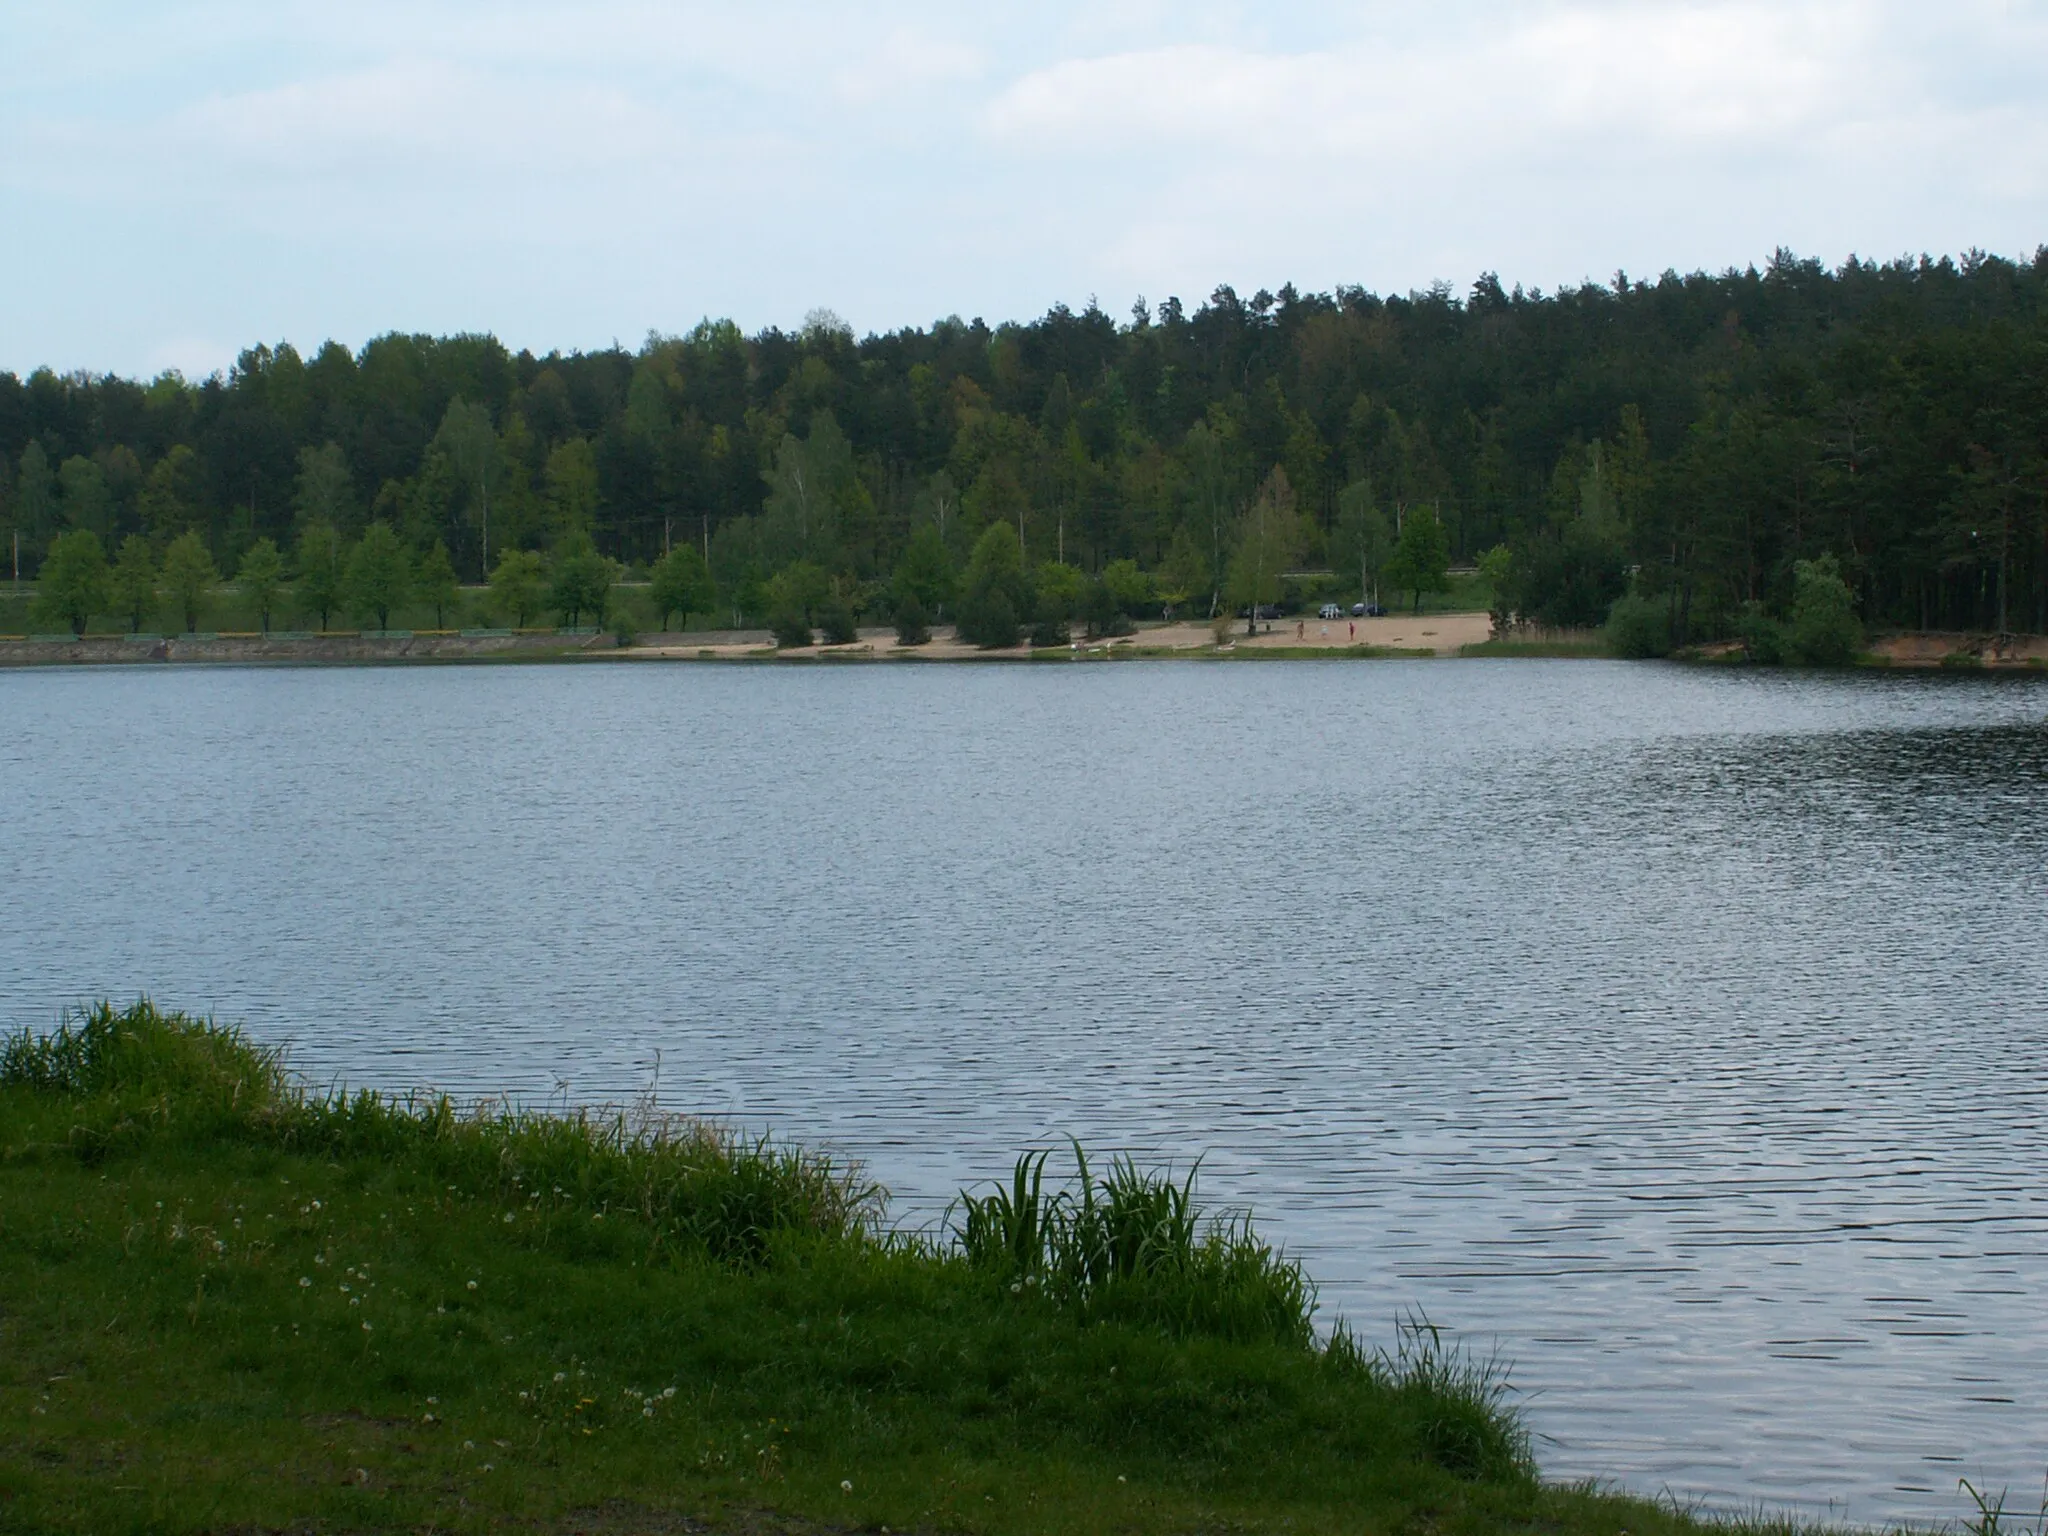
(1677, 1034)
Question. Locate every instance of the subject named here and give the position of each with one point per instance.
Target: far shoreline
(1421, 637)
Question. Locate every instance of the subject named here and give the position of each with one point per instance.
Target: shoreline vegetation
(234, 1304)
(1454, 635)
(1777, 459)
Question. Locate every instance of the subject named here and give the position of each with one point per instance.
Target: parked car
(1266, 611)
(1367, 611)
(1330, 611)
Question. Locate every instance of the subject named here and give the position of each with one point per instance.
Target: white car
(1330, 611)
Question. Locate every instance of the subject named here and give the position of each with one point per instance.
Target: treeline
(1686, 443)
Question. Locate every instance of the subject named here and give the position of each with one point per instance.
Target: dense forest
(1691, 440)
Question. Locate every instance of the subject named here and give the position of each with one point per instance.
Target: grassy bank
(226, 1304)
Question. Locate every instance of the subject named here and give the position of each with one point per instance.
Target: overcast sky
(180, 178)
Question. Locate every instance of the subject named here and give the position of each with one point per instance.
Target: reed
(1133, 1244)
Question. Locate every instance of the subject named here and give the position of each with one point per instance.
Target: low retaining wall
(50, 650)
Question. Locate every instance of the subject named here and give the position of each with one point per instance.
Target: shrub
(1105, 615)
(1761, 635)
(791, 628)
(988, 619)
(1825, 631)
(1049, 628)
(913, 625)
(1639, 626)
(835, 618)
(628, 616)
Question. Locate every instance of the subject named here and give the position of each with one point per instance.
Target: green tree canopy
(1184, 575)
(795, 594)
(926, 571)
(995, 593)
(189, 577)
(571, 476)
(1361, 542)
(680, 584)
(518, 586)
(72, 586)
(133, 589)
(1422, 557)
(435, 585)
(173, 494)
(87, 501)
(581, 583)
(379, 575)
(325, 491)
(323, 569)
(1825, 631)
(470, 444)
(35, 497)
(261, 578)
(1268, 540)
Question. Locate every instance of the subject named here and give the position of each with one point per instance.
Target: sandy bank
(1441, 634)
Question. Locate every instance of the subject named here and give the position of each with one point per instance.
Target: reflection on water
(1680, 1033)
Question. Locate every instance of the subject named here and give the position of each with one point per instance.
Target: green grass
(228, 1305)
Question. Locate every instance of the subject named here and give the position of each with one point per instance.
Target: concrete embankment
(304, 649)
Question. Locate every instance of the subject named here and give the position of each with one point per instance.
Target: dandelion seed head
(845, 1486)
(305, 1280)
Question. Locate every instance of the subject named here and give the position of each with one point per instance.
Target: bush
(1105, 615)
(1050, 627)
(626, 619)
(913, 624)
(835, 618)
(988, 620)
(791, 629)
(1762, 636)
(1825, 630)
(1639, 627)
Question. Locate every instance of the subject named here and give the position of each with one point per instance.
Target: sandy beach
(1438, 633)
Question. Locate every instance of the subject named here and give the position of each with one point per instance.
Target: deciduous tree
(261, 578)
(134, 589)
(435, 585)
(518, 586)
(323, 569)
(581, 584)
(680, 584)
(189, 577)
(72, 585)
(379, 573)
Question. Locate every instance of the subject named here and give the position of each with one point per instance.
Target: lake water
(1681, 1034)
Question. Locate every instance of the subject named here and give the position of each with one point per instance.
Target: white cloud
(1727, 75)
(570, 171)
(907, 61)
(411, 113)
